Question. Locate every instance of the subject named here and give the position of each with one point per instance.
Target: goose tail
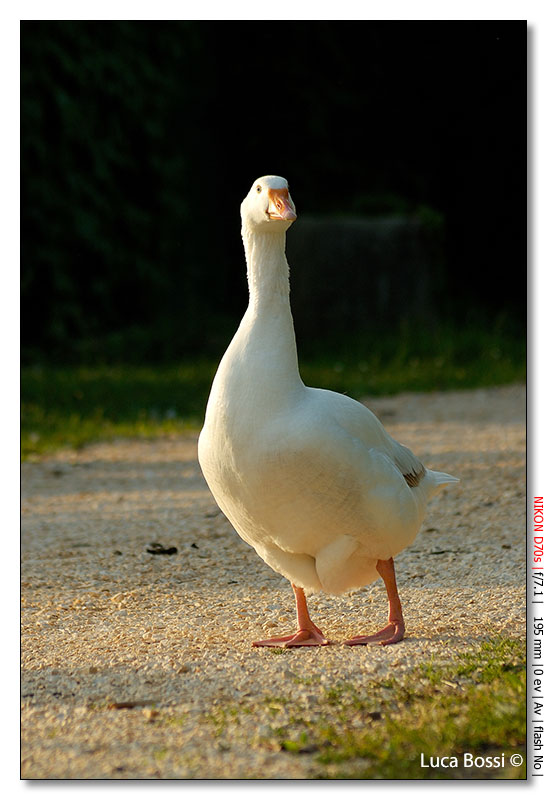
(441, 479)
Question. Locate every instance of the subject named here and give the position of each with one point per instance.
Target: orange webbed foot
(393, 632)
(306, 637)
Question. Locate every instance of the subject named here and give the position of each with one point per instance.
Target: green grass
(419, 360)
(72, 406)
(478, 706)
(378, 730)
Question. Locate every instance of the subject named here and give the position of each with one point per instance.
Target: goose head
(268, 207)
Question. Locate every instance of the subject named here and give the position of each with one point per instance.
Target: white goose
(308, 477)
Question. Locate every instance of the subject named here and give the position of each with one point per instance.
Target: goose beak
(280, 205)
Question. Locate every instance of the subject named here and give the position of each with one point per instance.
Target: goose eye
(259, 189)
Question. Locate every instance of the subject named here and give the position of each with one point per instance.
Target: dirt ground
(130, 659)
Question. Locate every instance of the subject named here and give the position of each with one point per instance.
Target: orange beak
(280, 206)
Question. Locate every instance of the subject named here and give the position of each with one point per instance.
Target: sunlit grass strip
(72, 406)
(478, 705)
(380, 729)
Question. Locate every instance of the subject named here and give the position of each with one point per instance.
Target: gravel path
(107, 624)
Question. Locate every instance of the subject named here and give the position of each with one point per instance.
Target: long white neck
(268, 322)
(267, 269)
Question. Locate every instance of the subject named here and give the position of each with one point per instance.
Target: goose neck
(267, 267)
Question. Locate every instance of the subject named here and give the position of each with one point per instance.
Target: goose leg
(395, 629)
(307, 635)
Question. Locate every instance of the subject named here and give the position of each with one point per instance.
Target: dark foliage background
(139, 140)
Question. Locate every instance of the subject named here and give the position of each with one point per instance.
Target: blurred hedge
(397, 276)
(139, 140)
(105, 221)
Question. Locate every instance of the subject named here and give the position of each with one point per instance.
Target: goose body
(308, 477)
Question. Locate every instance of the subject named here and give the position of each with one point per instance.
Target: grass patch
(476, 704)
(72, 406)
(419, 361)
(75, 405)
